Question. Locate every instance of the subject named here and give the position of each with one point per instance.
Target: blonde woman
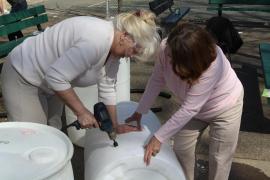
(39, 75)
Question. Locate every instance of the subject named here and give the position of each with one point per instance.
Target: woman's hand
(125, 128)
(151, 149)
(87, 120)
(84, 116)
(136, 117)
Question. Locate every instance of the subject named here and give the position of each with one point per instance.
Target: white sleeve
(107, 82)
(72, 63)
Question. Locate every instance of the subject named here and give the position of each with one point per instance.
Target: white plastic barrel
(89, 97)
(123, 80)
(125, 162)
(34, 151)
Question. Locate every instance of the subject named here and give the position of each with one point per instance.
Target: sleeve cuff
(109, 100)
(58, 87)
(162, 140)
(141, 110)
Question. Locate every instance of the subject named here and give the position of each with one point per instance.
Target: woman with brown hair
(195, 69)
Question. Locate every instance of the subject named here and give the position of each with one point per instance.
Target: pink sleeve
(154, 86)
(196, 96)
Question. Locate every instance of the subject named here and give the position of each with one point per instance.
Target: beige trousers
(224, 130)
(27, 103)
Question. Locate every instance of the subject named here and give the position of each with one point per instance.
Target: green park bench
(265, 61)
(175, 14)
(13, 22)
(242, 5)
(253, 117)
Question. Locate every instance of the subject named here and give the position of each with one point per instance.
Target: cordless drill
(105, 123)
(103, 117)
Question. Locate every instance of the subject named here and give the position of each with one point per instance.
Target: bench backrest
(159, 6)
(220, 4)
(265, 60)
(14, 22)
(248, 2)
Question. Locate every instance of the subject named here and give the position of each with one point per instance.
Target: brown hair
(192, 49)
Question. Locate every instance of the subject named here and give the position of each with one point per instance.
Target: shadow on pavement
(238, 172)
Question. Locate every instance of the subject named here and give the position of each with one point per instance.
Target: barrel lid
(32, 151)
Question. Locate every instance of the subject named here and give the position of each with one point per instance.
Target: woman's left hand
(125, 128)
(151, 149)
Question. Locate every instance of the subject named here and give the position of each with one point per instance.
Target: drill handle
(103, 117)
(76, 124)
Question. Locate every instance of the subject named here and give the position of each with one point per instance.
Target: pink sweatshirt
(217, 90)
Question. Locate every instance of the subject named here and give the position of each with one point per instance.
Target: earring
(121, 41)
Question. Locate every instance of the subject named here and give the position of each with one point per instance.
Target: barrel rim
(59, 166)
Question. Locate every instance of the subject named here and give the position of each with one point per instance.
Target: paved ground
(252, 160)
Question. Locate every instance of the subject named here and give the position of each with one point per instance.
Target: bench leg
(219, 9)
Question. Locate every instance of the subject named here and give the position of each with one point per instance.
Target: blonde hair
(142, 27)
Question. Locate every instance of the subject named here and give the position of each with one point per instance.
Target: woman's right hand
(136, 117)
(87, 120)
(84, 116)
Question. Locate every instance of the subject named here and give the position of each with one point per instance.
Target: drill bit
(115, 144)
(112, 136)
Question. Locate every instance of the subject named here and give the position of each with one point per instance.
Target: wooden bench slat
(265, 59)
(220, 5)
(172, 18)
(4, 30)
(13, 17)
(159, 6)
(250, 2)
(257, 9)
(13, 22)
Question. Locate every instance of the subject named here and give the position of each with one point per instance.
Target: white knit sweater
(71, 53)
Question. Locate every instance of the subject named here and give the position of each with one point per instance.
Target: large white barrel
(125, 162)
(123, 80)
(34, 151)
(89, 97)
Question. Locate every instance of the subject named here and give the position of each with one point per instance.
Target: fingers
(129, 120)
(136, 117)
(149, 152)
(86, 123)
(87, 126)
(147, 156)
(139, 125)
(151, 149)
(95, 125)
(125, 128)
(129, 128)
(92, 125)
(87, 120)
